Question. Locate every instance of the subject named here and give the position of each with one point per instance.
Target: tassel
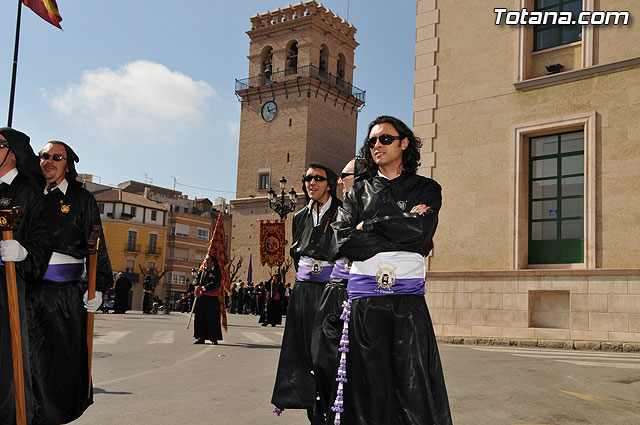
(342, 369)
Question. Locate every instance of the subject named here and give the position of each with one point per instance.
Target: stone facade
(476, 109)
(316, 118)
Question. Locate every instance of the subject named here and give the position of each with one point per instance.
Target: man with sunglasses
(313, 251)
(58, 301)
(386, 226)
(20, 185)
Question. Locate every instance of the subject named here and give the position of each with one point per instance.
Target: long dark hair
(410, 156)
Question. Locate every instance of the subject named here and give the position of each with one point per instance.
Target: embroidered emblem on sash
(65, 208)
(5, 202)
(402, 205)
(316, 267)
(385, 277)
(347, 266)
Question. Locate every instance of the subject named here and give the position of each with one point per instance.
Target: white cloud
(234, 129)
(141, 101)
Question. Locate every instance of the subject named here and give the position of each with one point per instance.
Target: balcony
(129, 247)
(308, 71)
(153, 250)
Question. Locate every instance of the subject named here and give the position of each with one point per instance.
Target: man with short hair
(58, 302)
(20, 180)
(386, 225)
(313, 252)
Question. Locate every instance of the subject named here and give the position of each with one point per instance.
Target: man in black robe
(122, 288)
(207, 309)
(20, 185)
(147, 298)
(272, 314)
(385, 226)
(313, 252)
(58, 302)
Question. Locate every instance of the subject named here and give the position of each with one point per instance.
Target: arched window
(266, 59)
(292, 59)
(342, 63)
(324, 60)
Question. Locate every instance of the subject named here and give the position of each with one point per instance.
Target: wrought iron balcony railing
(301, 72)
(130, 247)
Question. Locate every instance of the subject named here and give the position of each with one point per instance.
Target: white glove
(12, 251)
(93, 305)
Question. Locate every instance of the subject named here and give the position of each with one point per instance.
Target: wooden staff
(9, 220)
(93, 243)
(193, 308)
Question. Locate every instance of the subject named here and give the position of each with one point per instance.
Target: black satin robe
(295, 384)
(57, 316)
(33, 236)
(394, 372)
(207, 311)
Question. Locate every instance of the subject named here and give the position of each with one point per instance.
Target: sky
(144, 90)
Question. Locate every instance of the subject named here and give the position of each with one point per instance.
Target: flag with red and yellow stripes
(218, 249)
(46, 9)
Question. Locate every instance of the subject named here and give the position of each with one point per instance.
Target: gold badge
(316, 267)
(386, 277)
(65, 208)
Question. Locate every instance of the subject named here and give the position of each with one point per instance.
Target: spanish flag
(46, 9)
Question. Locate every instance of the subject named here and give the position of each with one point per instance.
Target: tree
(153, 274)
(234, 268)
(283, 269)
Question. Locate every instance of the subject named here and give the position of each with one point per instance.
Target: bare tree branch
(234, 268)
(153, 274)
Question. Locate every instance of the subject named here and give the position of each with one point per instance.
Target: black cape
(33, 236)
(394, 372)
(295, 384)
(207, 310)
(57, 317)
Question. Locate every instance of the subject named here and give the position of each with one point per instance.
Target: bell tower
(299, 105)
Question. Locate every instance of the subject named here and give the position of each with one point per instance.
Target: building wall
(116, 233)
(471, 107)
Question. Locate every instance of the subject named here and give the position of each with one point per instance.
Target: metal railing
(129, 247)
(301, 72)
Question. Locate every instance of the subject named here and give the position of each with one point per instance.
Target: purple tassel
(277, 411)
(342, 369)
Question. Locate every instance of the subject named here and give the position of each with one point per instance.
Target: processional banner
(272, 242)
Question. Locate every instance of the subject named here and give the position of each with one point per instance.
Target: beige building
(135, 233)
(299, 106)
(539, 234)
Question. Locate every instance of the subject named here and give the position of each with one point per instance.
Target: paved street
(147, 371)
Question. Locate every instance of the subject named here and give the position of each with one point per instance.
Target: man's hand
(359, 226)
(11, 250)
(419, 209)
(92, 305)
(198, 290)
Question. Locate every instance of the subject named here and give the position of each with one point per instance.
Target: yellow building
(533, 133)
(136, 233)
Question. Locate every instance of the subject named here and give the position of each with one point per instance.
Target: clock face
(269, 110)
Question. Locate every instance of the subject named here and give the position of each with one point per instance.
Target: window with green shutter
(556, 199)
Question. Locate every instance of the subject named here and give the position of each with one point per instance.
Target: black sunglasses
(312, 177)
(385, 139)
(56, 157)
(4, 144)
(345, 175)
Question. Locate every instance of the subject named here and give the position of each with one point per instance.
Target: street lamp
(281, 207)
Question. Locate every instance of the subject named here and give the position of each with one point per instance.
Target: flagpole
(15, 66)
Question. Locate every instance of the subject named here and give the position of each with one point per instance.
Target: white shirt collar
(9, 176)
(323, 209)
(63, 186)
(382, 175)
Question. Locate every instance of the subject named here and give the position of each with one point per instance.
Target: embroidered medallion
(402, 205)
(65, 208)
(347, 266)
(4, 202)
(386, 277)
(316, 267)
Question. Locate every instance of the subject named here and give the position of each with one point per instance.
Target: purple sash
(361, 286)
(314, 273)
(64, 272)
(340, 270)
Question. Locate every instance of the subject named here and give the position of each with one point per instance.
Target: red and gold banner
(46, 9)
(272, 242)
(218, 249)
